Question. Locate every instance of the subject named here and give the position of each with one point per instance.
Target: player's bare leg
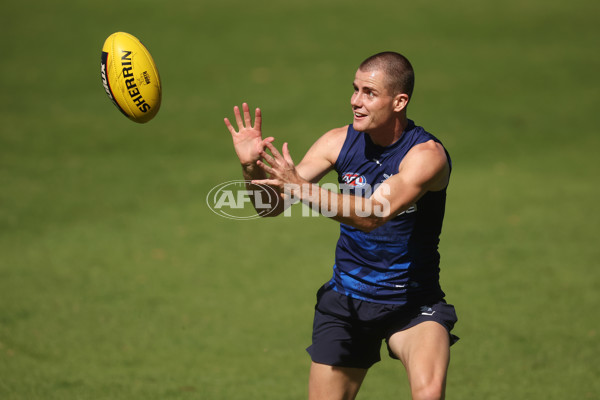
(334, 383)
(425, 352)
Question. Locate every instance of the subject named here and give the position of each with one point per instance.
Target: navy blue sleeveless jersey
(397, 263)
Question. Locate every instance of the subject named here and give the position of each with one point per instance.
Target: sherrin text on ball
(130, 77)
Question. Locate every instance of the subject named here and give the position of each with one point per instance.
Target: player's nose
(355, 100)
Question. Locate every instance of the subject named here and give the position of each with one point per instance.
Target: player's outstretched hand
(247, 139)
(281, 168)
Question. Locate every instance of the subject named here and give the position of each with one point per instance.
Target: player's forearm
(252, 171)
(364, 213)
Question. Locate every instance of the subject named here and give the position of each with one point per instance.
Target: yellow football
(130, 77)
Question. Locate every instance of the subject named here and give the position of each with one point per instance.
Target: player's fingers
(238, 117)
(270, 139)
(268, 158)
(265, 167)
(229, 126)
(286, 154)
(273, 150)
(257, 119)
(266, 182)
(247, 117)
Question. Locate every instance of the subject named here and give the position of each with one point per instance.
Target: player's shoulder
(332, 141)
(429, 163)
(323, 154)
(430, 149)
(336, 135)
(426, 156)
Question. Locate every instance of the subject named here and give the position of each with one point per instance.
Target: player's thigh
(424, 349)
(327, 382)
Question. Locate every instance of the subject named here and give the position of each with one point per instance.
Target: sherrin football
(130, 77)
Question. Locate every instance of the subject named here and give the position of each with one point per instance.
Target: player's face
(372, 104)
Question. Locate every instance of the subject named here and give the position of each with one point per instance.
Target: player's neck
(390, 133)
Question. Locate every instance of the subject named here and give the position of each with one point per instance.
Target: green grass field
(118, 282)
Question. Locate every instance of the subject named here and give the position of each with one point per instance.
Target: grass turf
(116, 280)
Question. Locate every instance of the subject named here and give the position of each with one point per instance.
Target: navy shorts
(348, 332)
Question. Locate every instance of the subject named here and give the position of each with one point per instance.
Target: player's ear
(400, 102)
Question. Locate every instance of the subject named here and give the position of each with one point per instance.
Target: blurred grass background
(116, 280)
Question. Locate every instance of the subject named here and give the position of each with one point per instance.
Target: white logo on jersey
(354, 179)
(410, 210)
(427, 311)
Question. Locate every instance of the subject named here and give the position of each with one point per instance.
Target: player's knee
(430, 391)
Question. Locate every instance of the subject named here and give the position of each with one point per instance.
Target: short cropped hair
(399, 72)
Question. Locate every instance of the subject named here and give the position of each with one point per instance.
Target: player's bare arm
(425, 168)
(317, 162)
(249, 145)
(322, 155)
